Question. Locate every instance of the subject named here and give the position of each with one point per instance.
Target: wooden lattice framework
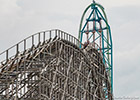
(53, 68)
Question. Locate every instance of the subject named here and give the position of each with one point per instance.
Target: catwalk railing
(32, 74)
(34, 40)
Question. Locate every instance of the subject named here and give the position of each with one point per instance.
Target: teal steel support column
(107, 52)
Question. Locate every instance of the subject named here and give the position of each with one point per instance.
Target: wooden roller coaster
(50, 65)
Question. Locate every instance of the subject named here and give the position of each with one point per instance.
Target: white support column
(87, 84)
(75, 91)
(53, 84)
(95, 92)
(60, 50)
(55, 73)
(67, 77)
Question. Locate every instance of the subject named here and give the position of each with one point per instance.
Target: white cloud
(21, 18)
(8, 7)
(119, 3)
(8, 10)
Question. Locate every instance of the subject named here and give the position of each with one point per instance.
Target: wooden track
(55, 69)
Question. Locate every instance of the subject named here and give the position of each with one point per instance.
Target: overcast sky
(22, 18)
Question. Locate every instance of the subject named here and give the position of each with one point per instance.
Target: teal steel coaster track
(96, 30)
